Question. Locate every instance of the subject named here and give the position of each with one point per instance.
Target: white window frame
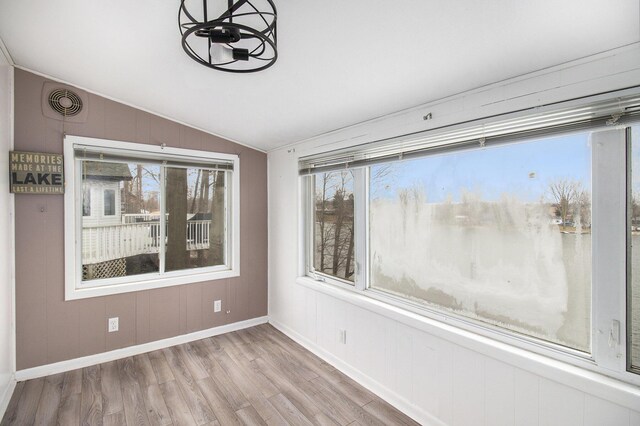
(609, 280)
(359, 234)
(74, 286)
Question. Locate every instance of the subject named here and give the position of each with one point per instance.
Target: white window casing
(606, 117)
(103, 149)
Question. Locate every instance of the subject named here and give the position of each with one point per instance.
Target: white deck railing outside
(141, 217)
(102, 243)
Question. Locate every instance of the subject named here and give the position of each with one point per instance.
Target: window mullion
(305, 226)
(77, 182)
(163, 220)
(609, 248)
(227, 221)
(309, 229)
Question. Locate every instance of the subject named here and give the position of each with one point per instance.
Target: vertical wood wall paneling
(456, 385)
(50, 329)
(31, 321)
(499, 390)
(526, 398)
(600, 412)
(468, 383)
(560, 404)
(142, 317)
(122, 306)
(61, 317)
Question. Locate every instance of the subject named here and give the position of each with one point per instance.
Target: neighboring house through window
(147, 217)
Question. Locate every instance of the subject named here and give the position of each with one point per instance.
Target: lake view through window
(500, 234)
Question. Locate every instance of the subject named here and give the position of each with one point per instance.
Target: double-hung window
(522, 229)
(145, 217)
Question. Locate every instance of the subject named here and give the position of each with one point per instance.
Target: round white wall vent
(65, 102)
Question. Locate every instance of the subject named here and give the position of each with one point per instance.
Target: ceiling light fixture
(241, 39)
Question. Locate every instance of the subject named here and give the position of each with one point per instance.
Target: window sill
(147, 284)
(581, 378)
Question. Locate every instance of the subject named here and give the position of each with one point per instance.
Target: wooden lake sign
(36, 173)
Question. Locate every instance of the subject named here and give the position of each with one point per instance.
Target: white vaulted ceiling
(340, 62)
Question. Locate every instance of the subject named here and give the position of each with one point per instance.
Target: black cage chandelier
(240, 38)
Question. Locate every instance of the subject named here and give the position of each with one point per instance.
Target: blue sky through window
(523, 169)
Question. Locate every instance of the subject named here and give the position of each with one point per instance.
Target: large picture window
(157, 217)
(521, 230)
(501, 234)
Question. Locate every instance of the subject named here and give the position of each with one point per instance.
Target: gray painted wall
(48, 329)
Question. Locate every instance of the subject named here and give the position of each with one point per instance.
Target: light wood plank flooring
(255, 376)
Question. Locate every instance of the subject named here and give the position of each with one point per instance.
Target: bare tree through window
(334, 227)
(571, 201)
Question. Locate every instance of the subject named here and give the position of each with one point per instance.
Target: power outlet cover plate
(113, 324)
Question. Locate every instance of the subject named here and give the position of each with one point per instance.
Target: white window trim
(360, 234)
(73, 226)
(608, 248)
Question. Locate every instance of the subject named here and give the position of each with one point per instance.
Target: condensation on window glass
(121, 233)
(499, 234)
(196, 218)
(633, 294)
(333, 239)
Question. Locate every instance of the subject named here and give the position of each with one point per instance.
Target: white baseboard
(73, 364)
(411, 410)
(6, 395)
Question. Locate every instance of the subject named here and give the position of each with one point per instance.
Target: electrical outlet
(342, 336)
(217, 305)
(113, 324)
